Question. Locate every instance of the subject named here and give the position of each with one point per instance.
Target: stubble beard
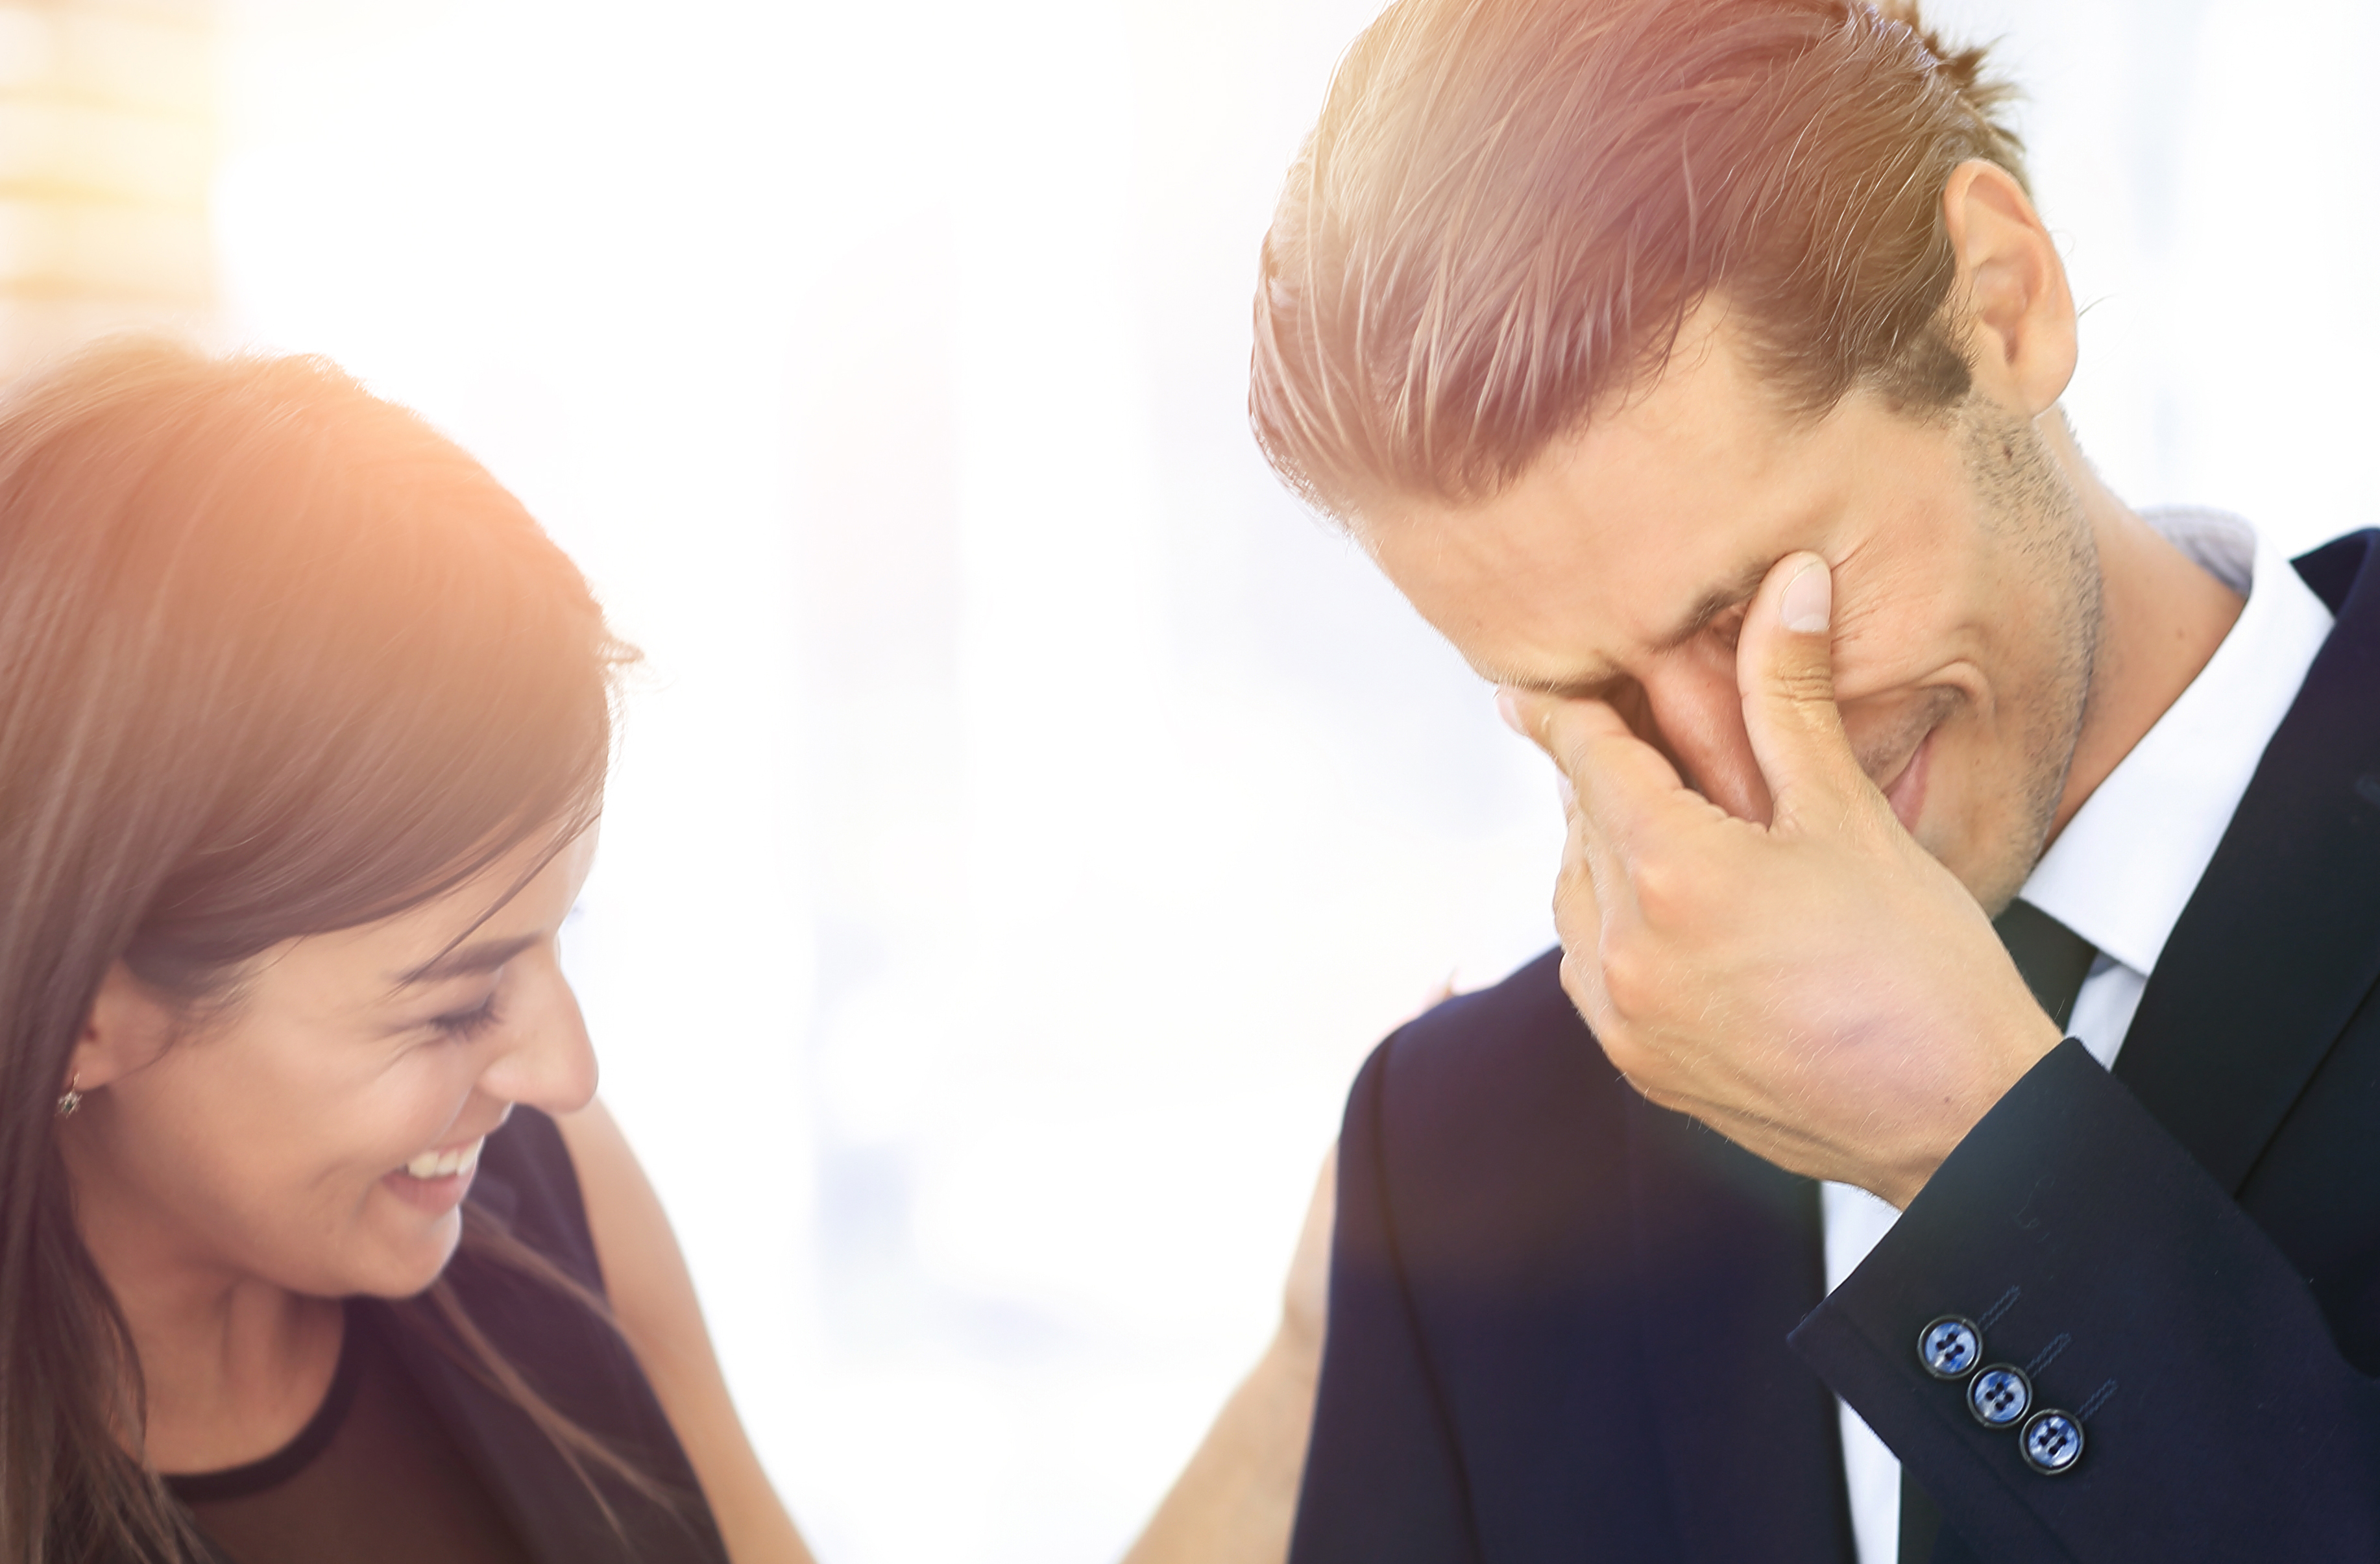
(2029, 508)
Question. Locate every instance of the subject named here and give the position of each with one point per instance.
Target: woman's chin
(409, 1251)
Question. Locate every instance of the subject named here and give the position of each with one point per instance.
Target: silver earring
(73, 1100)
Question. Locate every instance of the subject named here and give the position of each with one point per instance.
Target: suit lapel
(1730, 1258)
(2281, 940)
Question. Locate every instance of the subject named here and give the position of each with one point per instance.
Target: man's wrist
(2039, 1042)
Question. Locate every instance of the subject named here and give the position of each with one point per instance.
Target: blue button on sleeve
(2221, 1419)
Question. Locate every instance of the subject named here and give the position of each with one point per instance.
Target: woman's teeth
(447, 1164)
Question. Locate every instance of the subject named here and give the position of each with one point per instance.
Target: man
(1693, 366)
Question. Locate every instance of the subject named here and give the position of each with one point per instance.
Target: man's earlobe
(2012, 285)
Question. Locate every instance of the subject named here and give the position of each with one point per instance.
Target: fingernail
(1809, 599)
(1510, 710)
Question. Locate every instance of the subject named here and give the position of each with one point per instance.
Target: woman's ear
(129, 1026)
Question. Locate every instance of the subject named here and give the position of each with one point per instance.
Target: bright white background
(1027, 818)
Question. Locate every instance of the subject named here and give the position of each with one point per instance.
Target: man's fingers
(1555, 724)
(1589, 878)
(1621, 782)
(1785, 673)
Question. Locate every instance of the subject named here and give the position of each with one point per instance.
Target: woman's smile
(446, 1163)
(438, 1179)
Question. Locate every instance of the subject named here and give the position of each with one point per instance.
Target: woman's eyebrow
(486, 955)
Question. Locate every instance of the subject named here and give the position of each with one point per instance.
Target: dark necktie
(2053, 959)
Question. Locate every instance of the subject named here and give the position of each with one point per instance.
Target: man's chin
(1990, 855)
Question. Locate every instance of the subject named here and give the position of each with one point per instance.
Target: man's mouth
(1906, 793)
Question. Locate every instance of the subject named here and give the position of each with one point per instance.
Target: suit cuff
(2003, 1235)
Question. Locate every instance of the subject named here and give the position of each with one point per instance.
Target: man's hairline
(1952, 320)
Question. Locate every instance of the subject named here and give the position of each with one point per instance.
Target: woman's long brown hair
(276, 659)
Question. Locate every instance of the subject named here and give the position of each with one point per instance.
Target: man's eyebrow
(486, 955)
(1595, 683)
(1718, 601)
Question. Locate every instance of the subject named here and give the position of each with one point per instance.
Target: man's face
(1619, 565)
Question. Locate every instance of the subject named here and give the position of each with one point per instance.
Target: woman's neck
(232, 1366)
(235, 1377)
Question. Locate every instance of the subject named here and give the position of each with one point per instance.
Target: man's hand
(1819, 990)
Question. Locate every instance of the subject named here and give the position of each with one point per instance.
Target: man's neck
(2161, 617)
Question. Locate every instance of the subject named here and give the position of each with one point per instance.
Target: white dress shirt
(2121, 871)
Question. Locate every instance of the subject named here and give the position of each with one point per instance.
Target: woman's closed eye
(463, 1025)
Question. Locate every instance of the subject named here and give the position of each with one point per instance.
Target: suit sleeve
(2220, 1419)
(1383, 1484)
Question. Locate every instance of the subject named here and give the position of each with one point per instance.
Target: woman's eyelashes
(463, 1025)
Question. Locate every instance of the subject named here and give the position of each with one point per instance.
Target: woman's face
(322, 1135)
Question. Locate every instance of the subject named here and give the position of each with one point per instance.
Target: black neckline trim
(257, 1476)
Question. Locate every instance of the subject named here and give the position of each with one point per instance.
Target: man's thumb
(1785, 672)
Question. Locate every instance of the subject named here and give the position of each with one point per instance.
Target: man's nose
(1696, 718)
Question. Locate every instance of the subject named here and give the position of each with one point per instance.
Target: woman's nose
(548, 1061)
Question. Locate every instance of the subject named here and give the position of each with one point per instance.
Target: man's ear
(2012, 285)
(129, 1026)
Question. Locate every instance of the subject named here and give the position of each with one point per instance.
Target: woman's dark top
(372, 1479)
(411, 1458)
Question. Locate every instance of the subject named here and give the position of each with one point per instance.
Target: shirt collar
(2124, 868)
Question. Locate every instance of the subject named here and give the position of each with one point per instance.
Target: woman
(313, 1244)
(303, 728)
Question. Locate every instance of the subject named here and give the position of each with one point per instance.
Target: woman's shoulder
(566, 1349)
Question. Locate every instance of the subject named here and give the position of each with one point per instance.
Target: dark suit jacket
(1566, 1325)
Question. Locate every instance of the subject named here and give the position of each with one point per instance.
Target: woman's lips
(448, 1161)
(437, 1181)
(1906, 793)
